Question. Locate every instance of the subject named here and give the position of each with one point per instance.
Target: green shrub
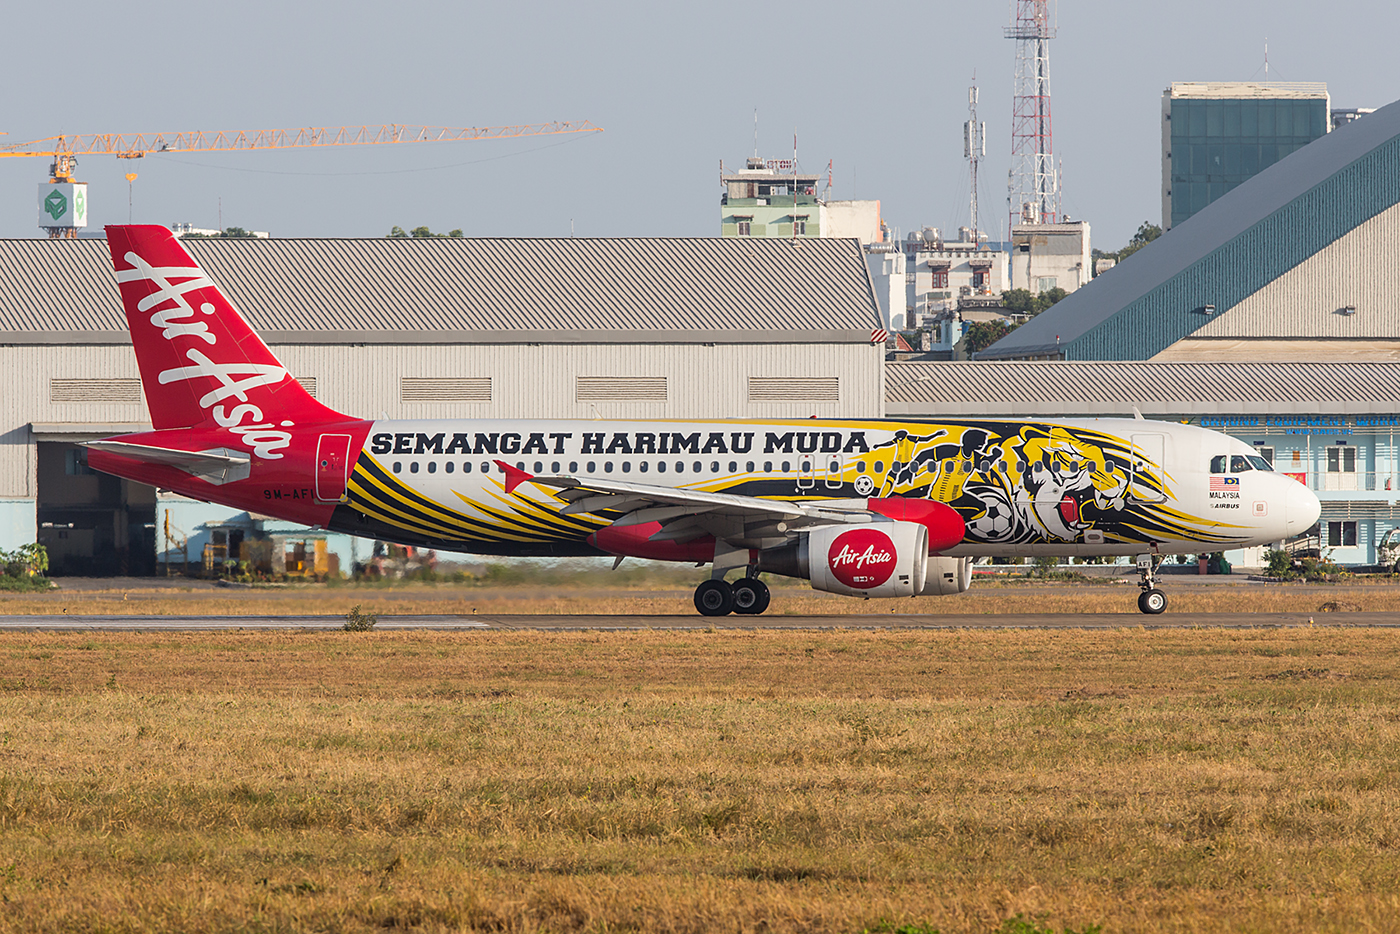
(355, 621)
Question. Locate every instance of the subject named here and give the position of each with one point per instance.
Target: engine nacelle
(947, 575)
(879, 559)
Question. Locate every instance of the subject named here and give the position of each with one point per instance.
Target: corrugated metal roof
(1227, 251)
(1103, 388)
(521, 289)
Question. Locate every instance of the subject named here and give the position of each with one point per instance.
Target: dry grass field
(1180, 780)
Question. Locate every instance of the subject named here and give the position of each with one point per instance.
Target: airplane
(866, 508)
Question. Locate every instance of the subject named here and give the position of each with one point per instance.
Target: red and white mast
(1034, 191)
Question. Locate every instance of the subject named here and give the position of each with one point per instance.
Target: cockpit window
(1217, 463)
(1239, 463)
(1260, 463)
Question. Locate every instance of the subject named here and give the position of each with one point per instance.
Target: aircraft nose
(1301, 508)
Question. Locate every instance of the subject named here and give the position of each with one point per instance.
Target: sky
(879, 92)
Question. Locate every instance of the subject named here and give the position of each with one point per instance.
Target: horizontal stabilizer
(218, 466)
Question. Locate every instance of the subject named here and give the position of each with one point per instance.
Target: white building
(1050, 256)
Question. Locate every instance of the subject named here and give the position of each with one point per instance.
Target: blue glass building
(1217, 135)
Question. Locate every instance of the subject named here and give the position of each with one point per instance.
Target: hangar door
(93, 524)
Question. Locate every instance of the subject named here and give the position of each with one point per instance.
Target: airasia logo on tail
(176, 318)
(862, 558)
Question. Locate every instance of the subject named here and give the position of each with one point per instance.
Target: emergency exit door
(332, 464)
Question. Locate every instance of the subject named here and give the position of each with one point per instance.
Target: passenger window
(467, 467)
(879, 466)
(787, 466)
(539, 468)
(1217, 464)
(432, 466)
(660, 466)
(733, 467)
(1239, 463)
(714, 466)
(486, 467)
(573, 466)
(696, 467)
(398, 467)
(519, 465)
(642, 466)
(1090, 467)
(554, 467)
(985, 466)
(748, 467)
(948, 466)
(680, 466)
(1039, 467)
(607, 466)
(626, 466)
(413, 467)
(860, 466)
(448, 467)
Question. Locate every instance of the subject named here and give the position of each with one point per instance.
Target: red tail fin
(199, 360)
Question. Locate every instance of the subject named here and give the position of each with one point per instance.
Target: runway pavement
(873, 621)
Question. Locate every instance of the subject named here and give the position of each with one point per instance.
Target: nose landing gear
(1151, 601)
(748, 596)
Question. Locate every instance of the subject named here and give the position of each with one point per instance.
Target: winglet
(514, 476)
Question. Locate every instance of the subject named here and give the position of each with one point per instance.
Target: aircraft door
(332, 465)
(832, 463)
(806, 472)
(1148, 471)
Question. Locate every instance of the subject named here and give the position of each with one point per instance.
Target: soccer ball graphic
(995, 524)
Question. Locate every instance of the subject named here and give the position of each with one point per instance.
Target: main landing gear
(748, 596)
(1151, 601)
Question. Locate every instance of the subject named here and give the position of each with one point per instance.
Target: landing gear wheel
(751, 596)
(714, 598)
(1152, 601)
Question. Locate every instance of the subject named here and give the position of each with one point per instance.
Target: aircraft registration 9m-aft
(878, 508)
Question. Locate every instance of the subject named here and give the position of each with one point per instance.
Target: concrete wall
(859, 219)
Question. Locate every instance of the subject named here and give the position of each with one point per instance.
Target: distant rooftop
(1245, 90)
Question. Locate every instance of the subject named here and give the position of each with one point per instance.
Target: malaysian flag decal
(1224, 483)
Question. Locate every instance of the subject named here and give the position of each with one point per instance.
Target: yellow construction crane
(66, 202)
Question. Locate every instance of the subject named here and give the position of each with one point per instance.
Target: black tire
(751, 596)
(1152, 601)
(714, 598)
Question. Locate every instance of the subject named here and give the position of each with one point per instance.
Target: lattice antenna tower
(1034, 190)
(974, 148)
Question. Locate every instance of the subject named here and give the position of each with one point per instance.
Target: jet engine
(877, 559)
(947, 575)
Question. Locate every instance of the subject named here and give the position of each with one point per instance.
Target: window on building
(1341, 468)
(800, 227)
(940, 278)
(1046, 283)
(745, 227)
(1267, 453)
(1341, 534)
(1341, 459)
(979, 279)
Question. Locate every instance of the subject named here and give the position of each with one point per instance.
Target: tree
(229, 233)
(421, 233)
(1024, 302)
(1146, 233)
(983, 334)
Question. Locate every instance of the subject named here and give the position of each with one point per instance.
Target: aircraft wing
(685, 515)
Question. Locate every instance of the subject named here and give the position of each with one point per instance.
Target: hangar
(467, 328)
(1299, 263)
